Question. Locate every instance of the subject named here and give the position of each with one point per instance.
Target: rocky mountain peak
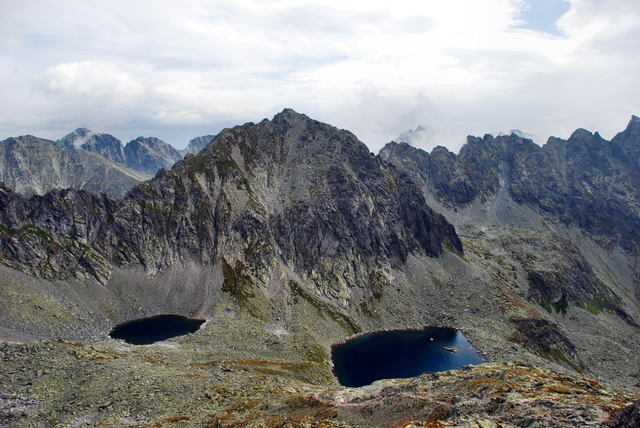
(628, 141)
(290, 190)
(633, 128)
(105, 145)
(149, 154)
(82, 132)
(197, 144)
(581, 133)
(289, 113)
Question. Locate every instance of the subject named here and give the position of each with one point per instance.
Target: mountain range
(87, 160)
(288, 236)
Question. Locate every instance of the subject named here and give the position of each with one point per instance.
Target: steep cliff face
(558, 226)
(31, 165)
(290, 190)
(289, 236)
(584, 181)
(149, 154)
(105, 145)
(197, 144)
(146, 155)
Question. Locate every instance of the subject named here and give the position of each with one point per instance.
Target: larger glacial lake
(145, 331)
(400, 354)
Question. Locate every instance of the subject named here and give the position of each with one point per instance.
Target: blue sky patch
(542, 15)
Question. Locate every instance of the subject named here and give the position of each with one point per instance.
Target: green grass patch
(558, 356)
(595, 306)
(33, 307)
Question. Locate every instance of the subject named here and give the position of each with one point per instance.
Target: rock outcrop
(629, 417)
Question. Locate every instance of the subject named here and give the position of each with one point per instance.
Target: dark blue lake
(404, 353)
(145, 331)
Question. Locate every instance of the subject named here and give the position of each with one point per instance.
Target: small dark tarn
(400, 354)
(145, 331)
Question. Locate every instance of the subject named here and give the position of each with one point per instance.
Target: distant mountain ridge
(149, 154)
(197, 144)
(31, 165)
(585, 181)
(86, 160)
(143, 154)
(197, 221)
(289, 236)
(105, 145)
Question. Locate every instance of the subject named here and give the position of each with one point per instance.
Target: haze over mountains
(87, 160)
(289, 236)
(143, 154)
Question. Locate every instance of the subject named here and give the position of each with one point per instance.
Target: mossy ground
(25, 304)
(595, 306)
(111, 384)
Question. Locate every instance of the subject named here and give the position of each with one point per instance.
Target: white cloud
(177, 70)
(99, 80)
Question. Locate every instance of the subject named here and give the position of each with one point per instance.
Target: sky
(176, 70)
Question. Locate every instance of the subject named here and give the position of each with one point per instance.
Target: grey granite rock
(149, 154)
(31, 165)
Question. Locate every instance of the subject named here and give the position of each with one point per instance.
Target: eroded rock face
(629, 417)
(105, 145)
(48, 236)
(291, 189)
(584, 181)
(31, 165)
(197, 144)
(149, 154)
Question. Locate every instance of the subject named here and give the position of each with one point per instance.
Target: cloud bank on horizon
(177, 70)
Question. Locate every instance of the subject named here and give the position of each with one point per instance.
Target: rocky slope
(289, 236)
(31, 165)
(126, 386)
(558, 224)
(290, 190)
(149, 154)
(585, 190)
(585, 181)
(146, 155)
(86, 160)
(105, 145)
(197, 144)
